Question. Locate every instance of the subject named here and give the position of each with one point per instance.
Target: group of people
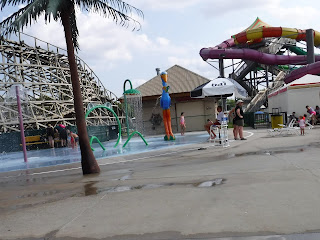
(236, 114)
(314, 116)
(217, 122)
(61, 134)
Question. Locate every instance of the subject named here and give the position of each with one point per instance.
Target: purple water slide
(226, 44)
(253, 55)
(313, 68)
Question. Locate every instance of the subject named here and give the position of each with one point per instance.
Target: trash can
(276, 118)
(113, 132)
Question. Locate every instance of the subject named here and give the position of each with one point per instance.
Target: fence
(10, 142)
(257, 120)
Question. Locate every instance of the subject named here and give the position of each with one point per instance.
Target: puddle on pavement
(270, 152)
(91, 190)
(126, 177)
(217, 181)
(202, 148)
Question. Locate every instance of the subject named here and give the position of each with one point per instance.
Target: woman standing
(50, 135)
(312, 114)
(239, 121)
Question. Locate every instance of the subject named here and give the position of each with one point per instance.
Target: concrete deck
(262, 188)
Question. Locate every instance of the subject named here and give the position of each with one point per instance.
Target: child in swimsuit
(182, 124)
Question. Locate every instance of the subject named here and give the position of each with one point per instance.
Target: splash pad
(133, 109)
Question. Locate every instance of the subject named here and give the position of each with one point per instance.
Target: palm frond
(118, 10)
(3, 3)
(54, 9)
(74, 31)
(23, 17)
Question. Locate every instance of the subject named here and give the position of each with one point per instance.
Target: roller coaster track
(42, 69)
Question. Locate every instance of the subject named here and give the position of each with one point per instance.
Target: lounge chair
(285, 129)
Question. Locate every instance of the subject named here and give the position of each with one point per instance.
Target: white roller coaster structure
(43, 71)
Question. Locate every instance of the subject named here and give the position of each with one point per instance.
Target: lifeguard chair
(219, 135)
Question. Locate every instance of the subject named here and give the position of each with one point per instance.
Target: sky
(172, 32)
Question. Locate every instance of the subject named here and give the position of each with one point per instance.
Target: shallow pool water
(49, 157)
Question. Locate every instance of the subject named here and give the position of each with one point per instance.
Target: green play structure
(126, 93)
(118, 121)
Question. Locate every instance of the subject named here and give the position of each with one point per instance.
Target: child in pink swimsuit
(302, 125)
(182, 124)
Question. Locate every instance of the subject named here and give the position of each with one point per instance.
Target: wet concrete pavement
(262, 188)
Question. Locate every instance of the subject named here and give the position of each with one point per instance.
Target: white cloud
(290, 14)
(163, 41)
(137, 82)
(164, 4)
(52, 33)
(196, 65)
(220, 7)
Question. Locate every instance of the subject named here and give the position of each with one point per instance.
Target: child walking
(182, 124)
(302, 124)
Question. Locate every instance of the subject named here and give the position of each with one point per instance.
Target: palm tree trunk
(88, 161)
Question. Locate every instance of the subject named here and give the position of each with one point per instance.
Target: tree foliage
(119, 11)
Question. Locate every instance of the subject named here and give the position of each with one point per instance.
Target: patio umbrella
(219, 87)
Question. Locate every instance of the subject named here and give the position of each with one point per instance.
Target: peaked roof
(180, 80)
(257, 24)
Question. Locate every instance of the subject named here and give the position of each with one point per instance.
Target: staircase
(261, 96)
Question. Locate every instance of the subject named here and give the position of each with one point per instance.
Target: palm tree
(64, 10)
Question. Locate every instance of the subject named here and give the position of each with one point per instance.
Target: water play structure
(109, 108)
(268, 56)
(165, 103)
(133, 110)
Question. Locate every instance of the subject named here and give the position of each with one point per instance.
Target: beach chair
(289, 129)
(309, 125)
(274, 132)
(284, 129)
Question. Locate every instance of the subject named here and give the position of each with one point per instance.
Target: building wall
(279, 101)
(295, 100)
(299, 98)
(196, 113)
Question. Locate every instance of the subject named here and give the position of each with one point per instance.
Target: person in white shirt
(220, 115)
